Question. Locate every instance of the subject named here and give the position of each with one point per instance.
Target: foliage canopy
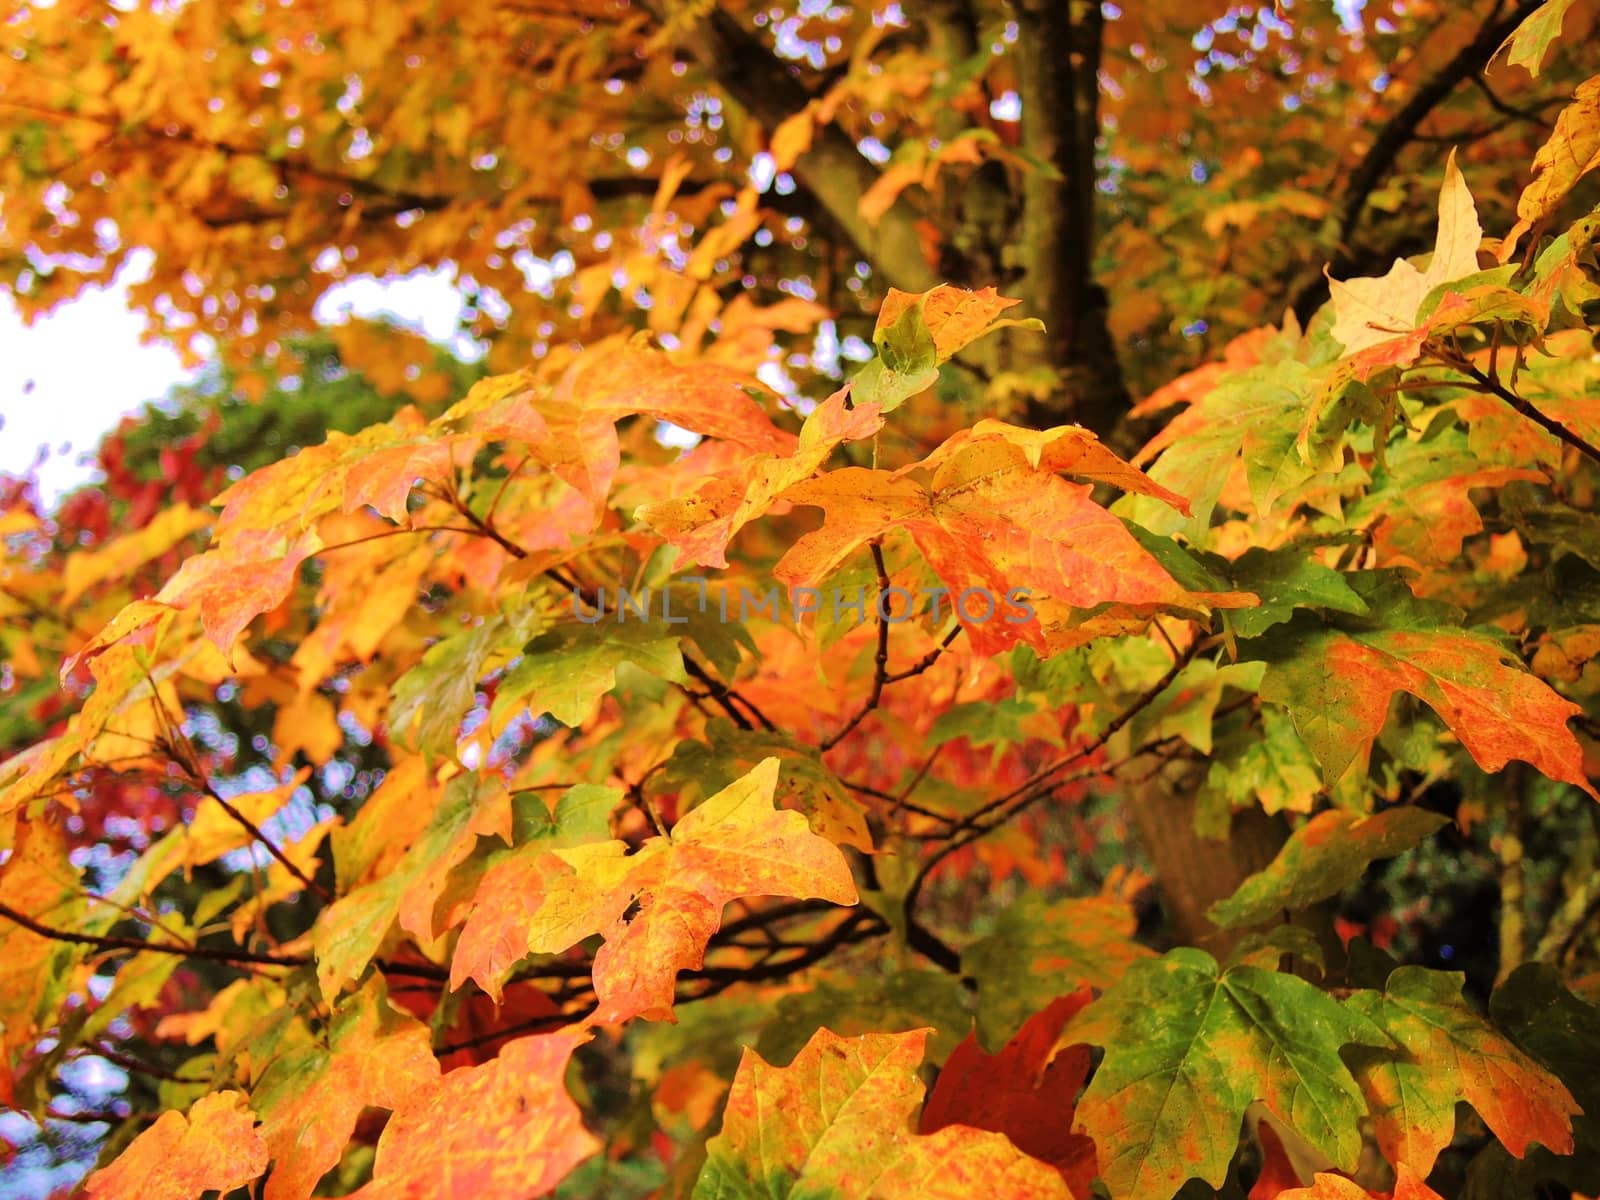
(625, 769)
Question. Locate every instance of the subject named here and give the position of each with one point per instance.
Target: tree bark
(1058, 71)
(832, 170)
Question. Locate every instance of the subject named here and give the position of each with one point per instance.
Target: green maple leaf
(567, 670)
(1189, 1049)
(1286, 580)
(1267, 765)
(1323, 857)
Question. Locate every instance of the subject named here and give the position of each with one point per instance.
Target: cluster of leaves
(501, 765)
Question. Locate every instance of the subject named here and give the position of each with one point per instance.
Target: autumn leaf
(1022, 1092)
(38, 881)
(1561, 1032)
(1039, 950)
(706, 398)
(985, 533)
(805, 784)
(543, 901)
(1322, 858)
(1449, 1054)
(349, 932)
(838, 1119)
(1531, 42)
(1372, 311)
(1571, 153)
(702, 523)
(1268, 766)
(1189, 1049)
(214, 1148)
(954, 317)
(310, 1099)
(1327, 1186)
(428, 1151)
(1336, 678)
(914, 334)
(1250, 421)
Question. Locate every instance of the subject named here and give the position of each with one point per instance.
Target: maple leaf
(567, 669)
(837, 1120)
(1189, 1049)
(915, 333)
(1449, 1054)
(310, 1098)
(543, 901)
(1285, 580)
(1560, 1031)
(1022, 1092)
(349, 932)
(1571, 153)
(616, 382)
(989, 522)
(805, 783)
(1249, 421)
(1322, 858)
(214, 1148)
(1336, 678)
(1529, 44)
(1370, 312)
(1268, 766)
(1038, 949)
(702, 523)
(39, 881)
(506, 1128)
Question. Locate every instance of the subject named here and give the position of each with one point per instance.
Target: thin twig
(1493, 385)
(880, 659)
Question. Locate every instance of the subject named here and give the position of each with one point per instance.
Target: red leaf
(1021, 1092)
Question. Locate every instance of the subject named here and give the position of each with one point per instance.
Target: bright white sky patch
(70, 378)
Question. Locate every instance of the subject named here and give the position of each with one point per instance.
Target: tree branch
(880, 660)
(832, 170)
(1003, 808)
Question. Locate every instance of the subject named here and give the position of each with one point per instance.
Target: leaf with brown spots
(1449, 1054)
(838, 1122)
